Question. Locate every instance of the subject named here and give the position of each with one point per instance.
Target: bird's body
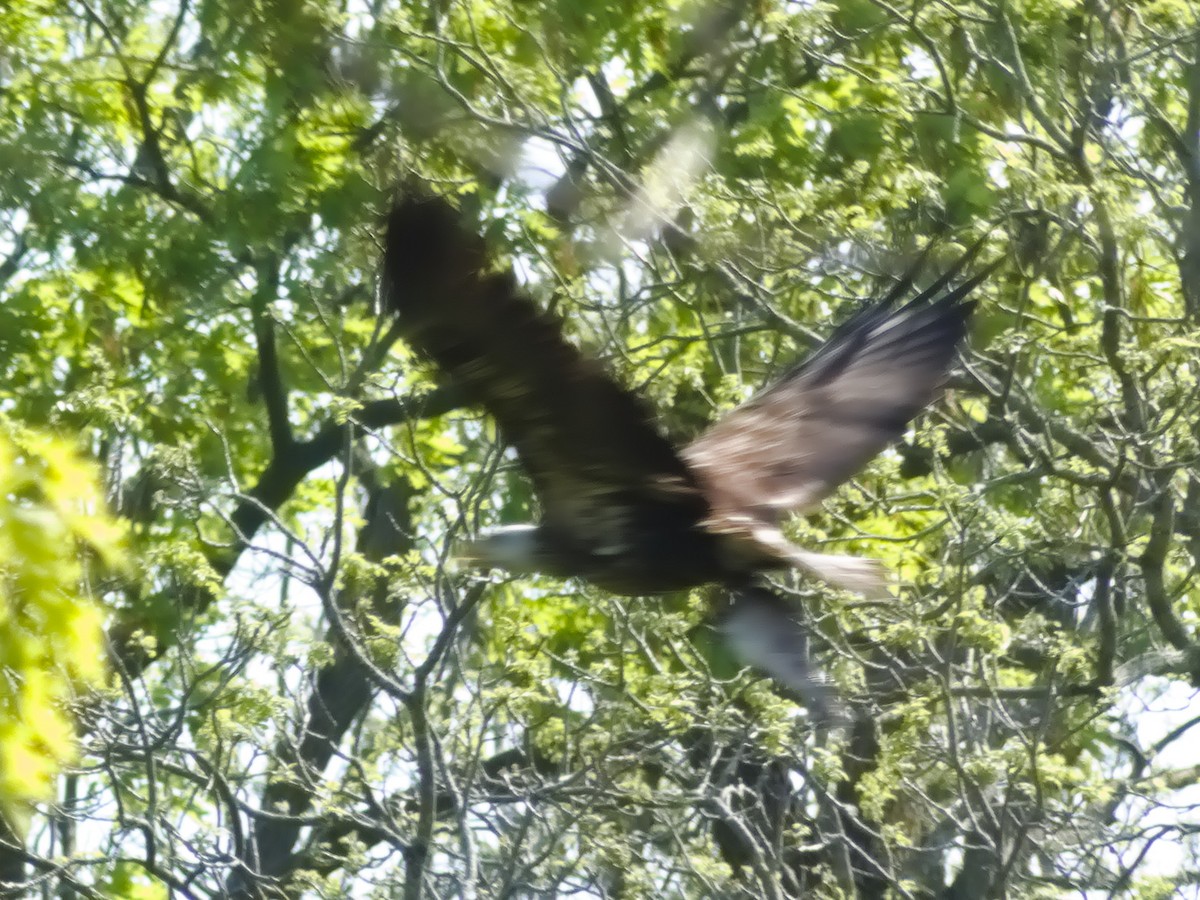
(643, 553)
(625, 508)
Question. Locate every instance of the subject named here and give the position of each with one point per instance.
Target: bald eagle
(623, 506)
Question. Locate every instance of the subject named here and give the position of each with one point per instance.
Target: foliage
(51, 641)
(312, 701)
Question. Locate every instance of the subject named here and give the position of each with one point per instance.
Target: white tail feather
(852, 573)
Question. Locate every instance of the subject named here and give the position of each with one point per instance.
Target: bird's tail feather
(858, 574)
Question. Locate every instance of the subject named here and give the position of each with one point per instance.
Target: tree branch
(275, 485)
(270, 379)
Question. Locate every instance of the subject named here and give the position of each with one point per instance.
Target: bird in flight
(623, 506)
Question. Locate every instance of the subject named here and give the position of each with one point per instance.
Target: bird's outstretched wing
(582, 437)
(797, 440)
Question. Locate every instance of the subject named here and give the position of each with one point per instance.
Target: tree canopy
(307, 698)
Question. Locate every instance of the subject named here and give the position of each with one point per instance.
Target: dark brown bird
(624, 507)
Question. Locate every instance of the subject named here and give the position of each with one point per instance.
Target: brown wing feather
(791, 445)
(580, 435)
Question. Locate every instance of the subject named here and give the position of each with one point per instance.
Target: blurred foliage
(51, 641)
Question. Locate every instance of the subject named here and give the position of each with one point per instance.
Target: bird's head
(520, 549)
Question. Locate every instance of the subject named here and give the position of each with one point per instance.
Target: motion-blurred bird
(624, 507)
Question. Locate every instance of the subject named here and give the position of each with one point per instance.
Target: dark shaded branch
(511, 776)
(1161, 663)
(270, 379)
(20, 888)
(416, 853)
(918, 460)
(1152, 562)
(341, 693)
(277, 483)
(12, 862)
(284, 474)
(1106, 652)
(1188, 151)
(12, 262)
